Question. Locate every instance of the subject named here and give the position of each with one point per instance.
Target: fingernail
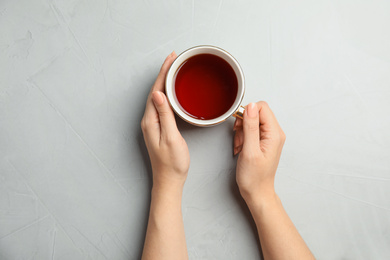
(157, 98)
(251, 110)
(172, 53)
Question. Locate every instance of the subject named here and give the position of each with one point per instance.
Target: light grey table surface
(74, 172)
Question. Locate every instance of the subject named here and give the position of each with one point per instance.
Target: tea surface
(206, 86)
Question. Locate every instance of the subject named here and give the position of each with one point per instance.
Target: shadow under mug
(235, 110)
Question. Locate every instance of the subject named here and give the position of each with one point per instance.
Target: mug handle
(240, 112)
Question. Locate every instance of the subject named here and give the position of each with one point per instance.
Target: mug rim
(181, 113)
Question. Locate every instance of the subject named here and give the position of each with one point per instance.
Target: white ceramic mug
(235, 110)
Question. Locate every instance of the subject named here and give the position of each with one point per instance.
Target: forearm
(165, 237)
(278, 236)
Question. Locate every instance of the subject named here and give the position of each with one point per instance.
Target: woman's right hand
(167, 148)
(259, 141)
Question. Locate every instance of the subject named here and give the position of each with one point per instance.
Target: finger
(237, 124)
(238, 140)
(237, 150)
(168, 126)
(266, 117)
(251, 129)
(159, 83)
(272, 136)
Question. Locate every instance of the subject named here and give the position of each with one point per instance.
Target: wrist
(167, 188)
(165, 203)
(261, 198)
(169, 177)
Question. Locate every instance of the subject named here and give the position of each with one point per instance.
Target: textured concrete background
(74, 75)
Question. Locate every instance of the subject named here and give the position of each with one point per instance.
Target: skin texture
(258, 140)
(170, 161)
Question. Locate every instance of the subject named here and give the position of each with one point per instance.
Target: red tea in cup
(206, 86)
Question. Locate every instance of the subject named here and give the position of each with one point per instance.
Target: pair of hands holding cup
(258, 140)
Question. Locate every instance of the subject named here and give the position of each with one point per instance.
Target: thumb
(167, 119)
(251, 129)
